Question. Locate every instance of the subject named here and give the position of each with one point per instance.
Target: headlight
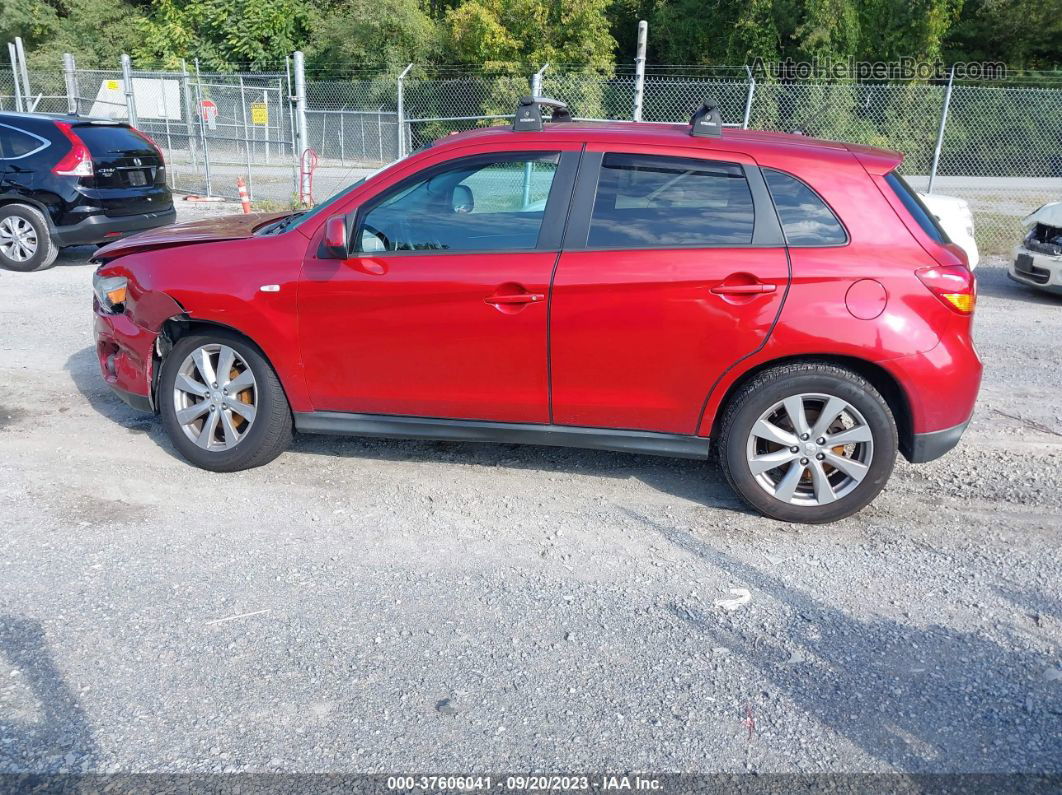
(110, 290)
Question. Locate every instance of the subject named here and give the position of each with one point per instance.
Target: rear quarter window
(916, 208)
(15, 143)
(806, 219)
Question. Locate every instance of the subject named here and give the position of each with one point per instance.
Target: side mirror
(462, 200)
(334, 243)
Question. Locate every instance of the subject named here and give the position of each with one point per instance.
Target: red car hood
(227, 227)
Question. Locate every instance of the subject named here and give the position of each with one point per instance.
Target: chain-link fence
(1000, 148)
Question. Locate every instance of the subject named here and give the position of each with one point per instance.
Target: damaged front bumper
(1036, 269)
(125, 352)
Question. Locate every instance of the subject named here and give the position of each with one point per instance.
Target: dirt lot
(390, 606)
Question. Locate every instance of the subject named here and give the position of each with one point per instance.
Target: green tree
(77, 30)
(732, 33)
(896, 29)
(34, 20)
(1024, 34)
(223, 34)
(529, 32)
(829, 30)
(370, 34)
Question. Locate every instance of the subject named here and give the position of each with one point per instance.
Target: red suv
(646, 288)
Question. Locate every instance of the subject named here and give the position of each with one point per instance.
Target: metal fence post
(130, 99)
(639, 70)
(13, 54)
(186, 91)
(70, 78)
(202, 125)
(940, 132)
(246, 139)
(400, 101)
(536, 80)
(379, 131)
(300, 113)
(27, 95)
(748, 99)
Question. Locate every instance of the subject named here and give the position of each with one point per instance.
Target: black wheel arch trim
(891, 390)
(18, 198)
(185, 319)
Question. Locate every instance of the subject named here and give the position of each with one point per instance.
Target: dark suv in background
(72, 180)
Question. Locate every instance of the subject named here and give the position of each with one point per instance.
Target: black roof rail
(528, 115)
(707, 121)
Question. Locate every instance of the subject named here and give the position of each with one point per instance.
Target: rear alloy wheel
(808, 442)
(25, 242)
(222, 405)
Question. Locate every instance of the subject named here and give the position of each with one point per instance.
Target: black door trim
(384, 426)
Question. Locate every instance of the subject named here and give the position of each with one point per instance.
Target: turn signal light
(116, 296)
(954, 285)
(111, 291)
(963, 302)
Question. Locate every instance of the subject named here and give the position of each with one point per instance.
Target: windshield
(296, 219)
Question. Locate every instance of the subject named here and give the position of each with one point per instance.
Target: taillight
(953, 284)
(78, 161)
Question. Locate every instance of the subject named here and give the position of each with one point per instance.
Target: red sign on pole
(208, 110)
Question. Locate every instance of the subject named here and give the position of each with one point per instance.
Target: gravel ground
(391, 606)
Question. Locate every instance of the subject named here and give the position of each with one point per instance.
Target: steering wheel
(372, 230)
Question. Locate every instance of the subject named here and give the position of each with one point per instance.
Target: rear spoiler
(876, 161)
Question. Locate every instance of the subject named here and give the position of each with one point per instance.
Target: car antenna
(707, 121)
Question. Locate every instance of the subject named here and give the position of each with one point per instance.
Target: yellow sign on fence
(259, 113)
(112, 85)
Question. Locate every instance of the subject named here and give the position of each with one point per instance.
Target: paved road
(381, 606)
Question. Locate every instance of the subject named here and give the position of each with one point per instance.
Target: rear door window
(916, 208)
(646, 201)
(806, 220)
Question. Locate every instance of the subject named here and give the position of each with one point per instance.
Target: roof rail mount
(528, 115)
(707, 121)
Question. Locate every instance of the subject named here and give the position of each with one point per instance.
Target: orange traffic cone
(244, 200)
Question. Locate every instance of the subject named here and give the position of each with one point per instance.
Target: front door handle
(744, 289)
(519, 298)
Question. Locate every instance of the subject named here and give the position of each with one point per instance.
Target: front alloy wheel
(214, 397)
(222, 404)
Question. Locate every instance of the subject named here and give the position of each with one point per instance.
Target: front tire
(25, 240)
(808, 442)
(222, 404)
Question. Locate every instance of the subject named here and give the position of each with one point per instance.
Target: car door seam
(777, 316)
(549, 288)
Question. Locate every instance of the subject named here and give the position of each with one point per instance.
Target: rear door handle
(519, 298)
(744, 289)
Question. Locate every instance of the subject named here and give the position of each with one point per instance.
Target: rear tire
(222, 404)
(25, 239)
(807, 442)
